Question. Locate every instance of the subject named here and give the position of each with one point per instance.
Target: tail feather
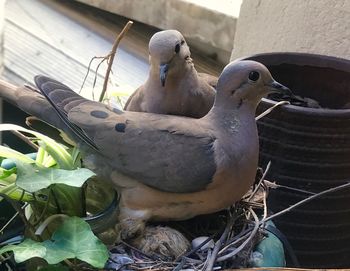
(60, 96)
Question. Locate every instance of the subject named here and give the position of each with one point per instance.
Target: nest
(221, 240)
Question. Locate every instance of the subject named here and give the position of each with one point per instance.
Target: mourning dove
(173, 86)
(164, 167)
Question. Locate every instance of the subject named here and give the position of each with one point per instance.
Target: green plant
(51, 184)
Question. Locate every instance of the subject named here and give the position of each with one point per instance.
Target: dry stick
(331, 190)
(235, 241)
(111, 58)
(89, 68)
(260, 181)
(139, 251)
(12, 218)
(252, 234)
(265, 204)
(21, 214)
(269, 110)
(218, 245)
(274, 186)
(25, 139)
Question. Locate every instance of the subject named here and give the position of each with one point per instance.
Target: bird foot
(164, 242)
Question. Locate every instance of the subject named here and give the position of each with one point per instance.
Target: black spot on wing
(47, 87)
(99, 114)
(120, 127)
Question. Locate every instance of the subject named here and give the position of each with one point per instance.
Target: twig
(12, 218)
(269, 110)
(111, 58)
(139, 251)
(89, 68)
(21, 214)
(25, 139)
(205, 265)
(238, 238)
(95, 77)
(252, 234)
(331, 190)
(218, 244)
(274, 185)
(260, 181)
(265, 204)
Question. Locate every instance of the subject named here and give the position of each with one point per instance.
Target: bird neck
(236, 137)
(177, 74)
(229, 119)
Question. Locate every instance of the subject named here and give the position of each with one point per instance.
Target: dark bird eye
(182, 42)
(177, 48)
(254, 76)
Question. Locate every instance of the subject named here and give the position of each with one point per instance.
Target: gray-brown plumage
(165, 167)
(173, 86)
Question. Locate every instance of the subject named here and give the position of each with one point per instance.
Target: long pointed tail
(49, 106)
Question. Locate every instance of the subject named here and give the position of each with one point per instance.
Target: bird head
(168, 52)
(246, 82)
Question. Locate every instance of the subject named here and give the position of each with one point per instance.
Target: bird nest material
(236, 231)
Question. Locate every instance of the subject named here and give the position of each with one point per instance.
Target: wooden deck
(59, 38)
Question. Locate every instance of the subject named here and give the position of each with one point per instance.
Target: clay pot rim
(301, 59)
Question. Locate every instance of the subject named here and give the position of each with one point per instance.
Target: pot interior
(322, 78)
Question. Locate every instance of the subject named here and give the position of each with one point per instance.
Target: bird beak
(276, 87)
(163, 72)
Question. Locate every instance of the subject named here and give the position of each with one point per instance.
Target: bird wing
(134, 101)
(209, 79)
(169, 153)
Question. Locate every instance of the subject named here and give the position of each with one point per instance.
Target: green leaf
(25, 250)
(74, 239)
(56, 150)
(5, 173)
(10, 153)
(56, 253)
(16, 193)
(32, 178)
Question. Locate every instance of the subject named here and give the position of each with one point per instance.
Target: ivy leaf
(32, 178)
(26, 250)
(74, 239)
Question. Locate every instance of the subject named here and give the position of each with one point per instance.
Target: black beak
(163, 72)
(279, 88)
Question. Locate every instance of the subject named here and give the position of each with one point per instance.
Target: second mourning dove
(173, 86)
(164, 167)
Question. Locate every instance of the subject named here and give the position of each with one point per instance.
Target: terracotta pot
(310, 149)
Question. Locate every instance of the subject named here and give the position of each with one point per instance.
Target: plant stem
(111, 58)
(331, 190)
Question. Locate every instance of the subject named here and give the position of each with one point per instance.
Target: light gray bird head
(246, 82)
(169, 53)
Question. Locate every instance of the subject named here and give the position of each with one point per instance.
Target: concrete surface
(203, 23)
(312, 26)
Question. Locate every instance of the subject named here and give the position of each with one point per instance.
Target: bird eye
(254, 76)
(182, 42)
(177, 48)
